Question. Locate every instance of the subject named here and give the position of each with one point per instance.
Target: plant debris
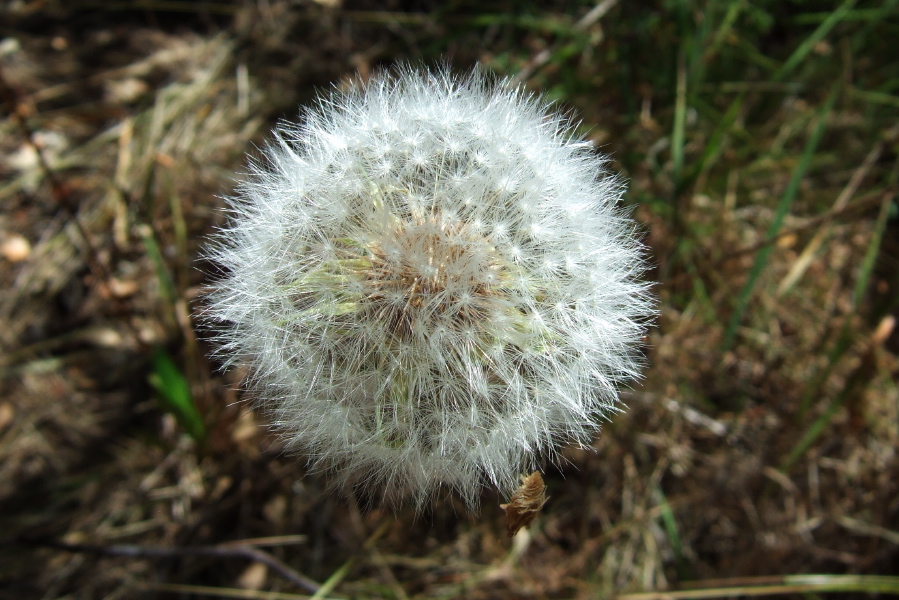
(526, 503)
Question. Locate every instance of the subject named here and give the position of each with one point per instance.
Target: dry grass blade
(221, 592)
(139, 116)
(802, 263)
(789, 584)
(783, 207)
(231, 549)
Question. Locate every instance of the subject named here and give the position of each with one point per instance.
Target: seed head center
(430, 274)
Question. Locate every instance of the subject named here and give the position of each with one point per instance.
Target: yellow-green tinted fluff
(433, 285)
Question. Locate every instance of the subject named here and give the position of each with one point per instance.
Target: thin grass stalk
(802, 51)
(844, 342)
(789, 584)
(786, 201)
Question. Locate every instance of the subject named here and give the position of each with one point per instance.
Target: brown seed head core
(429, 273)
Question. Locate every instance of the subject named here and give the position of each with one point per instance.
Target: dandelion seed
(441, 318)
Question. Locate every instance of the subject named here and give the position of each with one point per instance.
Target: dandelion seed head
(433, 284)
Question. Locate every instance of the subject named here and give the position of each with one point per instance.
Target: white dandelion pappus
(433, 285)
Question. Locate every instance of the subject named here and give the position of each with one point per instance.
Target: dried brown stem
(226, 550)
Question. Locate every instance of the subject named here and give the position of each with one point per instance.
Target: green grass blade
(714, 147)
(811, 434)
(669, 522)
(174, 391)
(694, 49)
(340, 574)
(727, 25)
(875, 97)
(843, 344)
(870, 584)
(809, 43)
(844, 341)
(166, 283)
(786, 201)
(858, 14)
(680, 119)
(788, 584)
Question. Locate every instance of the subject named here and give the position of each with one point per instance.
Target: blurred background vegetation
(760, 141)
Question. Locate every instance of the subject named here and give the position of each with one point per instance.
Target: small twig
(226, 550)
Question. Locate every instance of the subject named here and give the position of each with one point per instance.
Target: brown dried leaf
(526, 502)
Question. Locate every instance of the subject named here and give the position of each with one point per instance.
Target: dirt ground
(749, 454)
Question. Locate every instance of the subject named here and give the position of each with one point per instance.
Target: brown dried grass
(142, 124)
